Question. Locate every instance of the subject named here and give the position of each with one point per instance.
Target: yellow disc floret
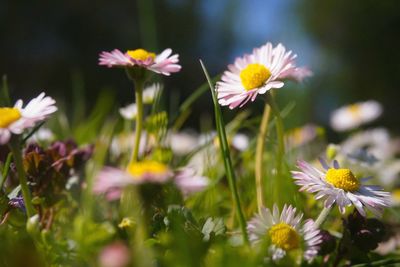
(8, 116)
(355, 110)
(343, 179)
(254, 75)
(284, 236)
(138, 169)
(140, 54)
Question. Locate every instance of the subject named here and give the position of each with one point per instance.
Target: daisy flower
(285, 232)
(110, 181)
(353, 116)
(129, 112)
(16, 119)
(341, 186)
(266, 68)
(163, 63)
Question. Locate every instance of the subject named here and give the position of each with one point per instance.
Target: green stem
(139, 119)
(259, 155)
(226, 157)
(322, 216)
(16, 151)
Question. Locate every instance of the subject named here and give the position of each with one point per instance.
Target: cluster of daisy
(257, 73)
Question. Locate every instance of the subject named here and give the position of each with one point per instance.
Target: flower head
(341, 186)
(16, 119)
(257, 73)
(129, 112)
(285, 232)
(116, 254)
(110, 181)
(353, 116)
(163, 63)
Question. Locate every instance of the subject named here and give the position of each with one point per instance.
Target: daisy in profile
(110, 181)
(285, 232)
(341, 186)
(18, 118)
(266, 68)
(163, 63)
(353, 116)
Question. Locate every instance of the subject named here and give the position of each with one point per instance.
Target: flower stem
(259, 155)
(139, 119)
(16, 151)
(322, 216)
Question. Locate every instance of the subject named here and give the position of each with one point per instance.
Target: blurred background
(351, 46)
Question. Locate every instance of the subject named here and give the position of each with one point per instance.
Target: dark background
(352, 47)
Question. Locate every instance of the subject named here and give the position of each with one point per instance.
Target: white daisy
(266, 68)
(353, 116)
(129, 112)
(285, 232)
(341, 186)
(16, 119)
(189, 182)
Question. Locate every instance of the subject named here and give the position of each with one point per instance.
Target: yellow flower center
(254, 75)
(8, 116)
(343, 179)
(140, 54)
(355, 110)
(284, 236)
(138, 169)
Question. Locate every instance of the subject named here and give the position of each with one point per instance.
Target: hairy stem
(17, 155)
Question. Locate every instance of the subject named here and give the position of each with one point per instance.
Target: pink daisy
(266, 68)
(163, 63)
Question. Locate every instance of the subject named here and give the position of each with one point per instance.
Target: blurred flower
(240, 141)
(150, 93)
(115, 255)
(110, 180)
(42, 135)
(340, 186)
(15, 120)
(126, 223)
(353, 116)
(123, 144)
(162, 63)
(301, 136)
(375, 142)
(189, 182)
(182, 143)
(129, 112)
(390, 245)
(285, 232)
(257, 73)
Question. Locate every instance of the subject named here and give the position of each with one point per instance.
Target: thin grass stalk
(226, 157)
